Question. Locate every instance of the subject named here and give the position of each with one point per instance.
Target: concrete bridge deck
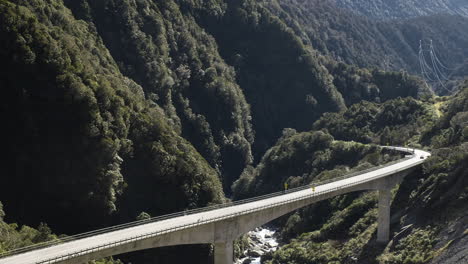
(220, 226)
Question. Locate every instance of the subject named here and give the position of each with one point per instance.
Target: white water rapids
(261, 241)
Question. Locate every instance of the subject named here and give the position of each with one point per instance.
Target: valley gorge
(119, 110)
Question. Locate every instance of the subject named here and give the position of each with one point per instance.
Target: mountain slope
(169, 44)
(282, 76)
(398, 9)
(429, 220)
(272, 62)
(113, 98)
(117, 107)
(79, 129)
(390, 45)
(179, 68)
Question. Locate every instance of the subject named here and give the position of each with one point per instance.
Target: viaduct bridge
(220, 225)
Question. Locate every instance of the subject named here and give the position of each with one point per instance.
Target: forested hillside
(79, 128)
(282, 76)
(179, 68)
(120, 109)
(12, 236)
(300, 158)
(395, 9)
(354, 39)
(429, 207)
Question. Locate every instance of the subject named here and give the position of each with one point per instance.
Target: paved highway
(116, 237)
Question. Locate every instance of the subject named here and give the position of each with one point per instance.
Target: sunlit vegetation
(117, 110)
(395, 122)
(343, 229)
(300, 158)
(82, 129)
(179, 68)
(12, 236)
(388, 45)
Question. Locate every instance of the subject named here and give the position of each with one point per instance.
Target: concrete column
(383, 230)
(223, 253)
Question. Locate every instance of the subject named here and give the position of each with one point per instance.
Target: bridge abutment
(223, 252)
(383, 229)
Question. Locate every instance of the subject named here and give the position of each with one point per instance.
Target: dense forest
(122, 109)
(429, 207)
(388, 45)
(394, 9)
(301, 158)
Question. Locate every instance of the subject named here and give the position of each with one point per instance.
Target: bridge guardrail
(191, 212)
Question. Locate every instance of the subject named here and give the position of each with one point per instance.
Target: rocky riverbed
(261, 241)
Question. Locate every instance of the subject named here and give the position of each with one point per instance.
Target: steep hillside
(13, 237)
(397, 9)
(281, 74)
(300, 158)
(395, 122)
(179, 68)
(429, 220)
(118, 102)
(357, 40)
(177, 63)
(358, 84)
(275, 70)
(116, 109)
(82, 136)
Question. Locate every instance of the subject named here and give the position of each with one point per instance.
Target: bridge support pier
(383, 229)
(223, 253)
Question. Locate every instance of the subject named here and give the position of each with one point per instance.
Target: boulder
(254, 253)
(256, 239)
(271, 244)
(247, 261)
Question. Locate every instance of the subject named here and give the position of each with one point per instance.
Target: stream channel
(261, 241)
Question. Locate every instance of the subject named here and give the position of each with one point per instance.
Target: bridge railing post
(383, 229)
(224, 252)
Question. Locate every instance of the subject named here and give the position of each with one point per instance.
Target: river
(261, 240)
